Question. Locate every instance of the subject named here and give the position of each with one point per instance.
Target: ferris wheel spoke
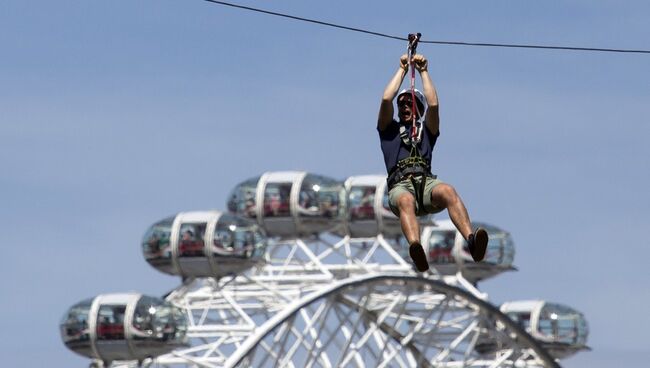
(343, 319)
(312, 355)
(349, 350)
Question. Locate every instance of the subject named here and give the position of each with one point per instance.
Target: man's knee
(443, 194)
(406, 202)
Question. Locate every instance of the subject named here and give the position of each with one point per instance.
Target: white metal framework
(389, 321)
(327, 302)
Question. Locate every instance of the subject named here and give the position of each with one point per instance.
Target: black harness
(414, 168)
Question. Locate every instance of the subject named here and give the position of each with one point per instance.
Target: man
(413, 190)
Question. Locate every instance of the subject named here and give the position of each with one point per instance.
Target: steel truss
(328, 302)
(389, 321)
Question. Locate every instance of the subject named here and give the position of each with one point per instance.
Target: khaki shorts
(405, 186)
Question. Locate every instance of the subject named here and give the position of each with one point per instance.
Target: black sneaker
(477, 244)
(419, 257)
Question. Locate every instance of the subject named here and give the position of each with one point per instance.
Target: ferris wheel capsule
(289, 203)
(203, 244)
(562, 330)
(368, 211)
(116, 327)
(442, 252)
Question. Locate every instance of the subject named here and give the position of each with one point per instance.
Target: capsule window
(242, 198)
(191, 240)
(561, 324)
(237, 237)
(74, 325)
(277, 200)
(319, 196)
(507, 252)
(223, 243)
(143, 319)
(156, 243)
(110, 322)
(155, 320)
(361, 200)
(308, 201)
(441, 245)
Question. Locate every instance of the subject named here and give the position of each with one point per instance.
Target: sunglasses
(405, 101)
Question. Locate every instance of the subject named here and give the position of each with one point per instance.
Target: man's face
(405, 108)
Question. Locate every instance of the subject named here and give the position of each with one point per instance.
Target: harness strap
(413, 166)
(411, 50)
(415, 169)
(419, 191)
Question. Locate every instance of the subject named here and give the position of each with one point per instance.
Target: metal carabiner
(413, 42)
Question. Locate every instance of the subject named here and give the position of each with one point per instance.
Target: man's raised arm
(432, 119)
(386, 107)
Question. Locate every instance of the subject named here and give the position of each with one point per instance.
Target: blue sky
(115, 114)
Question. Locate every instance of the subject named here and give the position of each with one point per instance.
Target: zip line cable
(458, 43)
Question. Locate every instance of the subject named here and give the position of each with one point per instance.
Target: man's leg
(445, 196)
(410, 226)
(411, 230)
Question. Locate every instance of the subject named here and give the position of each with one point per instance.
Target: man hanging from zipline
(407, 145)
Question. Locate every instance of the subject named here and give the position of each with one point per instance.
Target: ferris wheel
(308, 271)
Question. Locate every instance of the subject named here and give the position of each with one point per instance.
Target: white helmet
(419, 99)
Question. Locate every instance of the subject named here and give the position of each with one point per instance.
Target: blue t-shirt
(395, 149)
